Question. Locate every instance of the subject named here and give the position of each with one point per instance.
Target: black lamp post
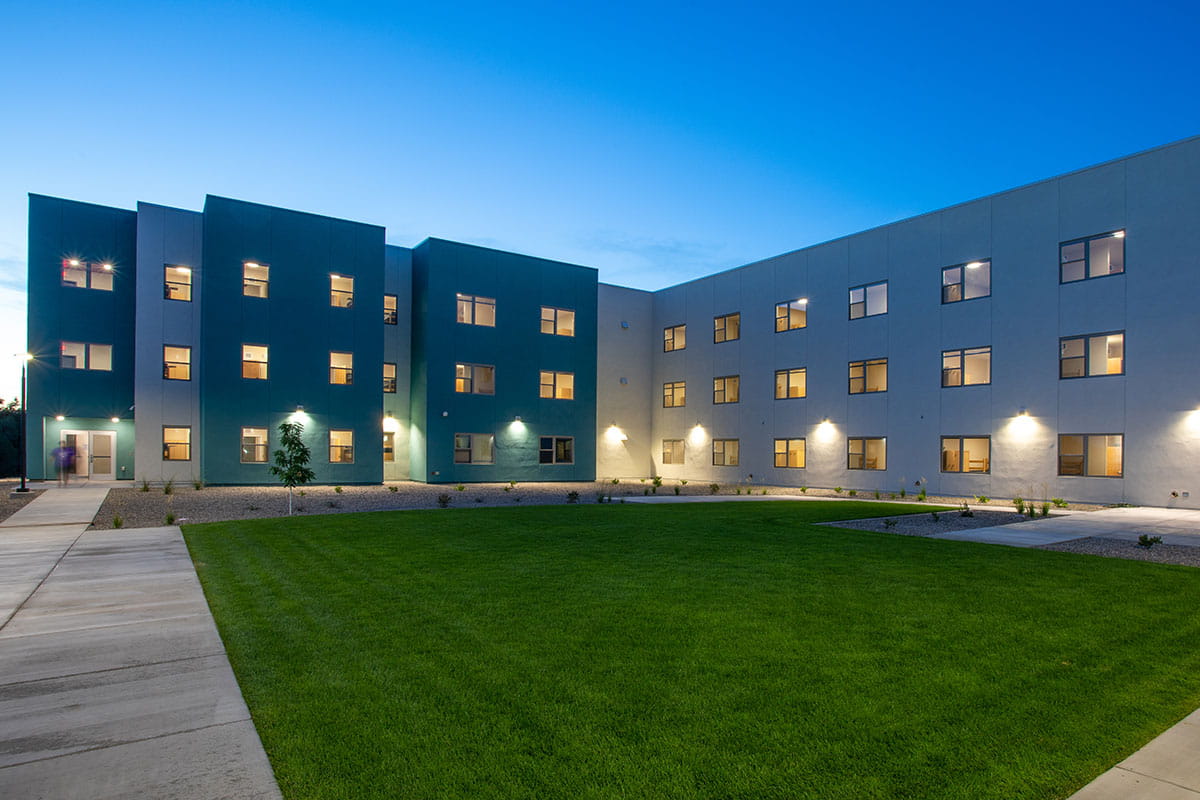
(25, 359)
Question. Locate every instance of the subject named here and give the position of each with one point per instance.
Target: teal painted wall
(53, 428)
(61, 229)
(521, 285)
(300, 328)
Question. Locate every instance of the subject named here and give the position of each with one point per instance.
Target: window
(970, 367)
(254, 362)
(474, 310)
(1094, 257)
(791, 315)
(1088, 356)
(868, 301)
(177, 283)
(863, 453)
(87, 275)
(967, 281)
(341, 368)
(177, 443)
(674, 338)
(78, 355)
(672, 451)
(727, 328)
(725, 390)
(389, 446)
(725, 452)
(474, 379)
(966, 454)
(868, 376)
(1091, 454)
(341, 447)
(389, 309)
(791, 383)
(256, 279)
(254, 445)
(341, 291)
(474, 448)
(558, 321)
(557, 385)
(389, 378)
(675, 394)
(556, 450)
(789, 453)
(177, 363)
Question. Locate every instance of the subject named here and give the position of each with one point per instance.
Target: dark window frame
(865, 365)
(682, 451)
(669, 336)
(391, 315)
(342, 448)
(389, 384)
(783, 321)
(168, 445)
(787, 443)
(266, 445)
(724, 389)
(962, 461)
(247, 281)
(168, 285)
(850, 440)
(721, 327)
(553, 450)
(675, 390)
(962, 366)
(737, 452)
(168, 364)
(866, 294)
(1086, 241)
(1083, 463)
(787, 395)
(1087, 356)
(961, 284)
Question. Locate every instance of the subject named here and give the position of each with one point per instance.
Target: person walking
(62, 459)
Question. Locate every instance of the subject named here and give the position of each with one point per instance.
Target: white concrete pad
(59, 507)
(1121, 784)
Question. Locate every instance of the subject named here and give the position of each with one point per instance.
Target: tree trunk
(289, 501)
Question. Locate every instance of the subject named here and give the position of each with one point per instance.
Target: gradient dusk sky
(657, 142)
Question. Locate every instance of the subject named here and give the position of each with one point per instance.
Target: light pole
(25, 359)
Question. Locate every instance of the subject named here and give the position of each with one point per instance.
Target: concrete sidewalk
(113, 679)
(1174, 525)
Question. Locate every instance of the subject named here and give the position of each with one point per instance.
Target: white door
(78, 442)
(102, 454)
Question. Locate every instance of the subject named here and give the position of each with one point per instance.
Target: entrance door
(78, 442)
(101, 454)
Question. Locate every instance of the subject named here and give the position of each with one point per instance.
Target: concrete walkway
(113, 680)
(1174, 525)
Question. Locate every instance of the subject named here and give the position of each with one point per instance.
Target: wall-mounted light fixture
(299, 409)
(59, 417)
(106, 266)
(1119, 234)
(116, 419)
(975, 265)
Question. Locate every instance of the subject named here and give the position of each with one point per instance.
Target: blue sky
(655, 141)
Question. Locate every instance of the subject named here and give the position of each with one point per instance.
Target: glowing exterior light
(697, 435)
(614, 435)
(299, 409)
(116, 419)
(1023, 426)
(975, 265)
(390, 424)
(74, 262)
(28, 356)
(802, 301)
(1119, 235)
(252, 264)
(107, 267)
(59, 417)
(826, 431)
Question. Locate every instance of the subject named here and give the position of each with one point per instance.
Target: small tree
(291, 462)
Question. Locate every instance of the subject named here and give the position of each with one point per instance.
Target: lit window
(389, 309)
(674, 338)
(725, 452)
(389, 378)
(558, 321)
(254, 362)
(473, 310)
(969, 367)
(727, 328)
(341, 368)
(967, 281)
(254, 445)
(675, 394)
(789, 453)
(557, 385)
(1094, 257)
(672, 451)
(255, 279)
(177, 283)
(863, 453)
(868, 376)
(389, 446)
(177, 363)
(1088, 356)
(341, 447)
(341, 291)
(474, 379)
(869, 300)
(87, 275)
(556, 450)
(78, 355)
(791, 383)
(791, 315)
(725, 389)
(1091, 454)
(966, 454)
(474, 448)
(177, 443)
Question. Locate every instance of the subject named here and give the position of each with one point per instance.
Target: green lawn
(679, 651)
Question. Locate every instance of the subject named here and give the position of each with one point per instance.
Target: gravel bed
(927, 525)
(10, 505)
(1120, 548)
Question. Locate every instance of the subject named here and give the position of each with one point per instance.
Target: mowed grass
(688, 651)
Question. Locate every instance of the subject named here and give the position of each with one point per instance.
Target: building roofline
(80, 202)
(293, 211)
(428, 239)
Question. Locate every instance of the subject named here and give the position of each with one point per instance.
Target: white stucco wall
(624, 390)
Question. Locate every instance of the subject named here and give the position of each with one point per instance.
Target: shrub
(803, 490)
(737, 490)
(599, 497)
(1045, 509)
(478, 499)
(934, 514)
(616, 481)
(508, 488)
(965, 511)
(892, 496)
(572, 497)
(683, 481)
(197, 485)
(657, 480)
(764, 491)
(853, 493)
(1019, 505)
(983, 498)
(393, 488)
(876, 494)
(117, 521)
(1058, 502)
(1147, 541)
(903, 492)
(170, 518)
(837, 489)
(337, 489)
(460, 488)
(443, 501)
(646, 492)
(921, 496)
(145, 485)
(513, 484)
(1031, 509)
(676, 490)
(713, 488)
(169, 487)
(889, 523)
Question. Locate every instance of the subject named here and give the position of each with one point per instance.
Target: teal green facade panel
(60, 230)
